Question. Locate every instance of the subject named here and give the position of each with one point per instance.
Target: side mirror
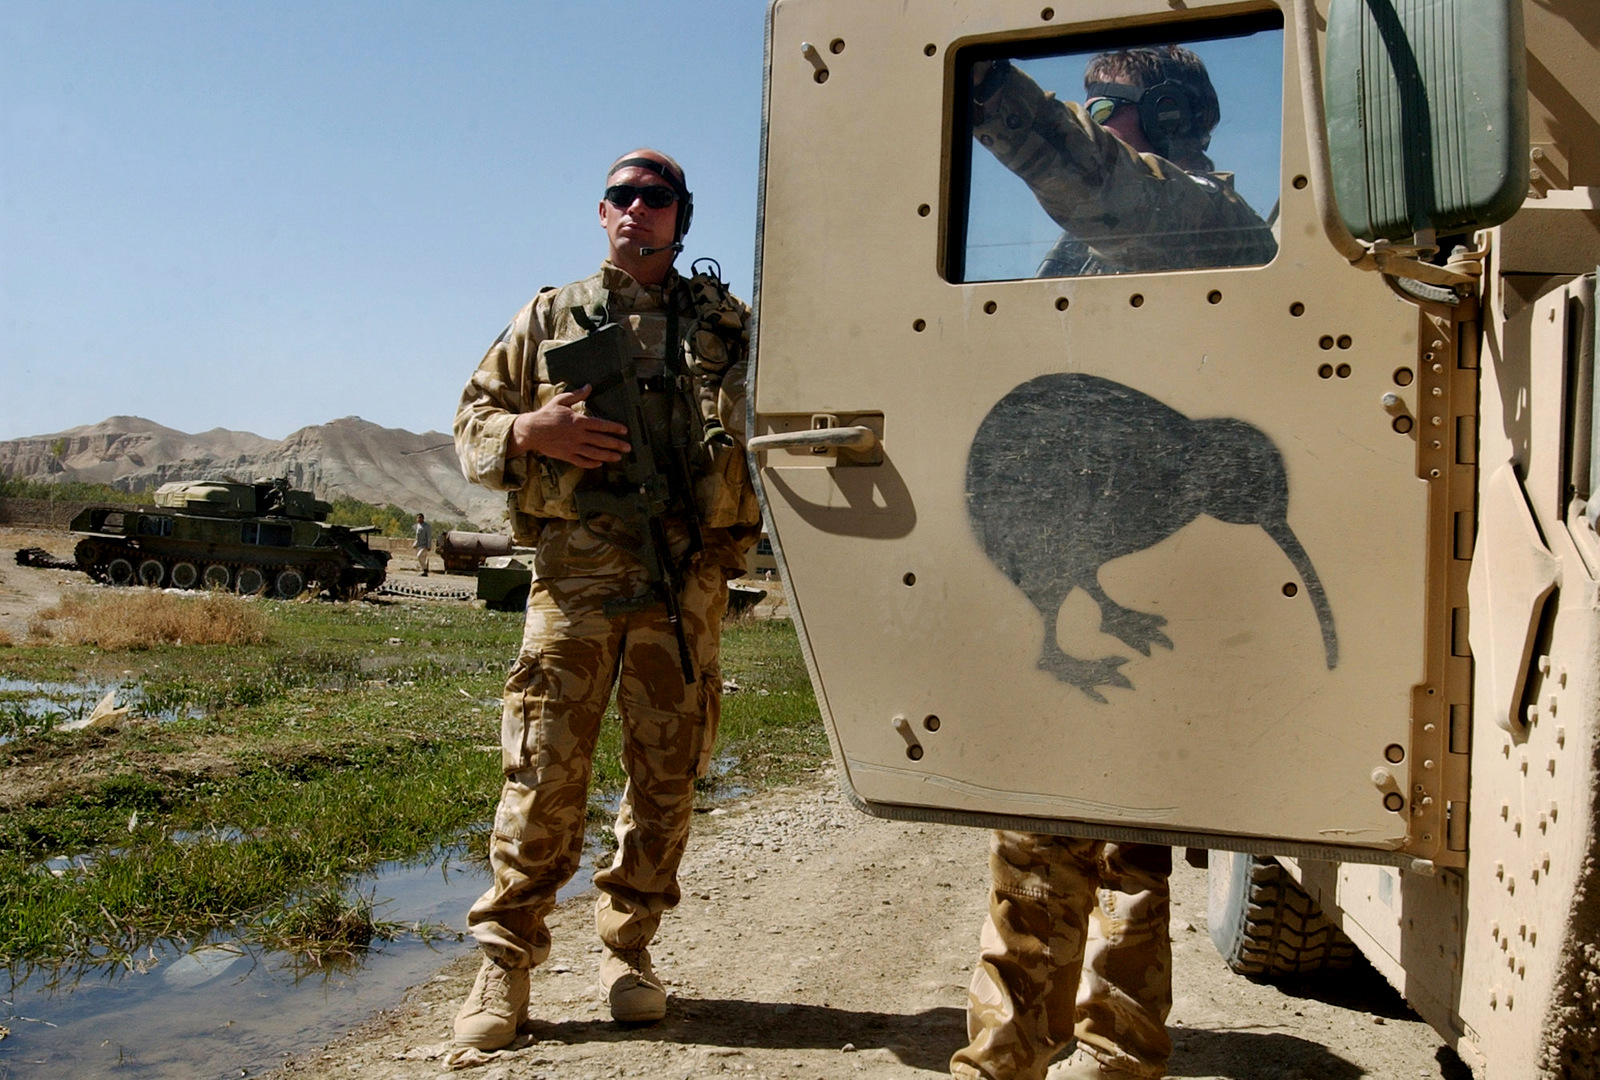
(1427, 109)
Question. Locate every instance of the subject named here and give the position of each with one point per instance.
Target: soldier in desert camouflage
(595, 620)
(1077, 943)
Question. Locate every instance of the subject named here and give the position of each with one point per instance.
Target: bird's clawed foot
(1086, 674)
(1136, 628)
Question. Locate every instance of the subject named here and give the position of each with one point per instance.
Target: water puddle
(27, 706)
(219, 1010)
(32, 706)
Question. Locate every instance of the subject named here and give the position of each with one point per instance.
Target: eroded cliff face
(350, 457)
(122, 447)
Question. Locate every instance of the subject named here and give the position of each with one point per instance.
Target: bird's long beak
(1290, 544)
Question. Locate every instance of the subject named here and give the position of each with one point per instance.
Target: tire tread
(1281, 931)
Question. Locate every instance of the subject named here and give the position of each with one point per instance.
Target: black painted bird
(1070, 471)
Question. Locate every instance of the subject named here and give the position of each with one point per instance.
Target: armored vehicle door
(1155, 532)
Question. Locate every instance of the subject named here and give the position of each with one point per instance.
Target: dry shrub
(6, 640)
(140, 618)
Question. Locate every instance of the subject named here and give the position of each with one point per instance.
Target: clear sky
(261, 216)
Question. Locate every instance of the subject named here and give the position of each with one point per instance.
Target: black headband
(652, 165)
(1119, 91)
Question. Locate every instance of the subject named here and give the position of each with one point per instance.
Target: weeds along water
(219, 1007)
(251, 785)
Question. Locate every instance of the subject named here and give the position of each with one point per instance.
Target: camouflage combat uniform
(1077, 943)
(593, 622)
(1127, 211)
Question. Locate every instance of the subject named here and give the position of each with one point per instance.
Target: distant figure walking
(423, 542)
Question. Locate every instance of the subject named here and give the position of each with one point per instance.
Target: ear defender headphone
(1166, 110)
(685, 198)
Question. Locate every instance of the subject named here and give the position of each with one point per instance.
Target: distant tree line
(391, 520)
(16, 487)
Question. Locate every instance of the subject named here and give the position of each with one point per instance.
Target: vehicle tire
(250, 581)
(1264, 924)
(185, 575)
(289, 583)
(152, 573)
(217, 576)
(119, 571)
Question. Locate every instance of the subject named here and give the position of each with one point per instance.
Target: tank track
(424, 592)
(41, 559)
(106, 552)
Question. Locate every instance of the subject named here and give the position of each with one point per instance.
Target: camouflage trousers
(572, 655)
(1076, 944)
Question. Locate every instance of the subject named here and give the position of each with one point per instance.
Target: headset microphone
(648, 251)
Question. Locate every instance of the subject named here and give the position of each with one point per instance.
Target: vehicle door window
(1117, 154)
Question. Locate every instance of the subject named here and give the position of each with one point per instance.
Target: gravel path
(814, 941)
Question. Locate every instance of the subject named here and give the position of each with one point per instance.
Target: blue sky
(264, 216)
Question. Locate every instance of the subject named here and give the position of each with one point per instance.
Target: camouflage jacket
(1125, 211)
(513, 378)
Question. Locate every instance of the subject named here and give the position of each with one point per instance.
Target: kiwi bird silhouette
(1070, 471)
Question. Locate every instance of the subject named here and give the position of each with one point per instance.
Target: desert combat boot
(636, 995)
(499, 999)
(1082, 1065)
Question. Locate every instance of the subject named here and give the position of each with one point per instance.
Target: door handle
(858, 439)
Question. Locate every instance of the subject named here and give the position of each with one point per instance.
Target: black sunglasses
(655, 196)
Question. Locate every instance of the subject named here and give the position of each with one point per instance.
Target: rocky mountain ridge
(347, 457)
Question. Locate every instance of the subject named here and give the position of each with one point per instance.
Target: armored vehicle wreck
(251, 538)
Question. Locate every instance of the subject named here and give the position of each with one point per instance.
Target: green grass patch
(328, 929)
(254, 782)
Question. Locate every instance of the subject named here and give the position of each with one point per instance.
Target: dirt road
(26, 590)
(814, 941)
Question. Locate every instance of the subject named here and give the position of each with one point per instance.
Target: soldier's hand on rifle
(556, 430)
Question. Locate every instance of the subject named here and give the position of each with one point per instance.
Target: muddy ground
(814, 941)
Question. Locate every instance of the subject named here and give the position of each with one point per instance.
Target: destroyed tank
(254, 538)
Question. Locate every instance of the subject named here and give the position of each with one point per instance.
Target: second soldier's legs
(1125, 992)
(1022, 1001)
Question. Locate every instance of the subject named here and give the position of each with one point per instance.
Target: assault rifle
(636, 490)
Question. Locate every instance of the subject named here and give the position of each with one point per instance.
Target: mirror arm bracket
(1380, 257)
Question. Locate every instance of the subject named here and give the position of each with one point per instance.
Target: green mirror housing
(1427, 110)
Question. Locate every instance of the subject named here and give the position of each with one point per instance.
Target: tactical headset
(1166, 110)
(685, 199)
